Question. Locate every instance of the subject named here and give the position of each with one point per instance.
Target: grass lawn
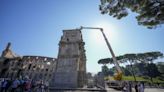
(131, 78)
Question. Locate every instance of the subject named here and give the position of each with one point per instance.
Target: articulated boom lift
(118, 74)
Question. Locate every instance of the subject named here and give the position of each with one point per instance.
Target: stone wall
(38, 67)
(34, 67)
(71, 63)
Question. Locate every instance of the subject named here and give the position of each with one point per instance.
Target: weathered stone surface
(71, 63)
(7, 53)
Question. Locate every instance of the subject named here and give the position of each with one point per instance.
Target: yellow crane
(118, 74)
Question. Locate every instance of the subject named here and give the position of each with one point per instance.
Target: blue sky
(34, 27)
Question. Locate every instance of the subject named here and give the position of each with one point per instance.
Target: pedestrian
(130, 86)
(33, 86)
(46, 86)
(141, 87)
(8, 85)
(158, 84)
(42, 86)
(15, 85)
(124, 87)
(4, 86)
(21, 86)
(136, 87)
(28, 85)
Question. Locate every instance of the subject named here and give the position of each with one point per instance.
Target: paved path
(154, 90)
(146, 90)
(112, 90)
(109, 90)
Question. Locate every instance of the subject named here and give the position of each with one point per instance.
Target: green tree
(148, 58)
(107, 61)
(132, 58)
(150, 12)
(105, 70)
(122, 59)
(160, 66)
(111, 72)
(151, 56)
(152, 71)
(126, 71)
(142, 70)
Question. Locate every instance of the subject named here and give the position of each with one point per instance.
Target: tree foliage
(152, 70)
(146, 67)
(150, 12)
(149, 56)
(131, 58)
(105, 61)
(142, 70)
(126, 71)
(105, 70)
(160, 66)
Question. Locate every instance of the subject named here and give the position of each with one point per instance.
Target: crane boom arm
(112, 53)
(119, 71)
